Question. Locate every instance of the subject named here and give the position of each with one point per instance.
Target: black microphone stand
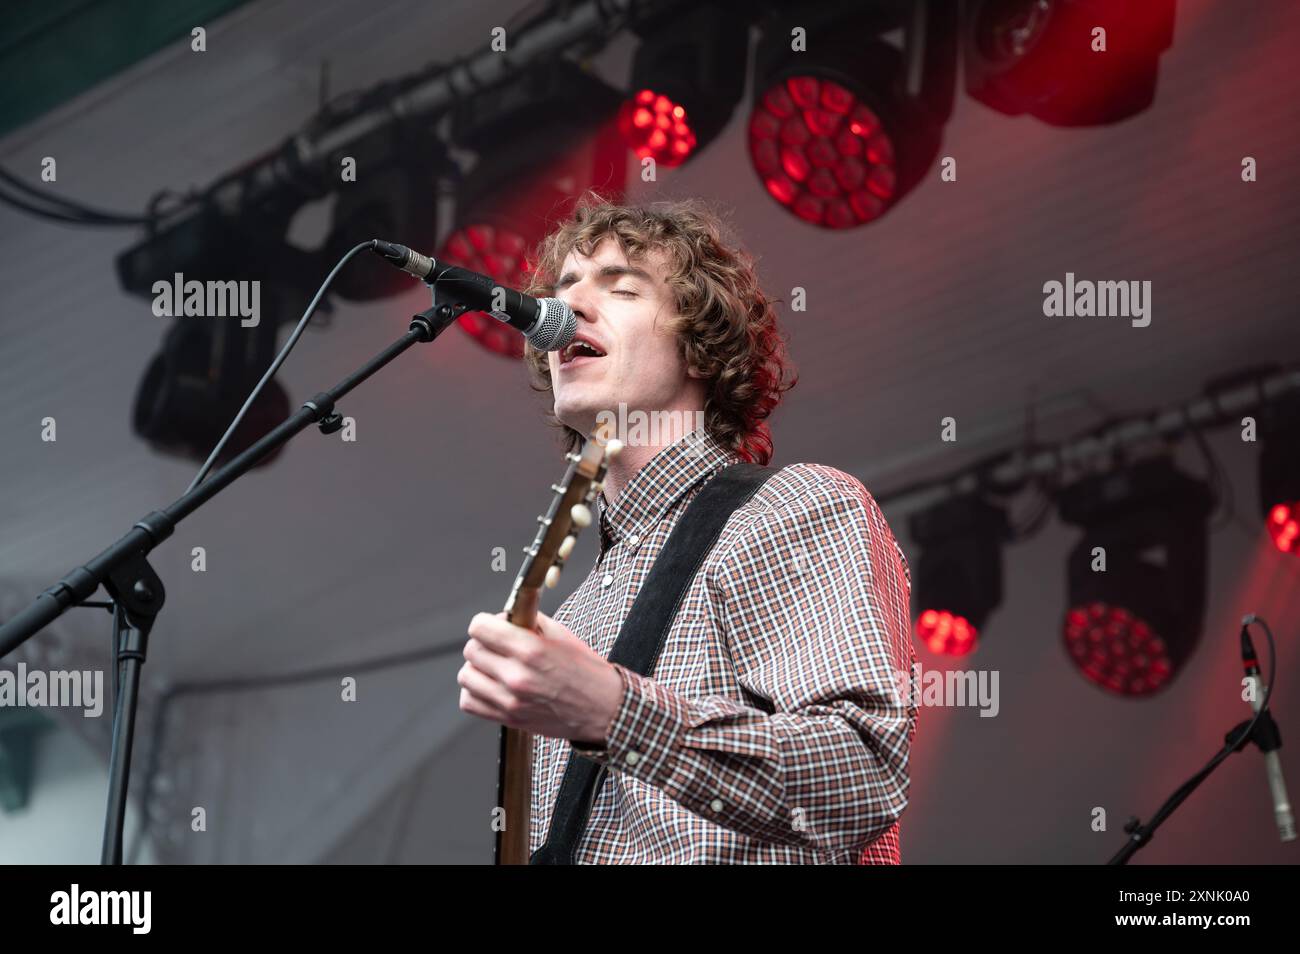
(1260, 729)
(137, 592)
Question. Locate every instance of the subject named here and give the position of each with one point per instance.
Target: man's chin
(580, 418)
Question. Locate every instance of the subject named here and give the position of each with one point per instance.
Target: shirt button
(633, 758)
(633, 540)
(716, 805)
(606, 580)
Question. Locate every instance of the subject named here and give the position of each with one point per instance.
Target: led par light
(842, 131)
(688, 74)
(1131, 626)
(958, 580)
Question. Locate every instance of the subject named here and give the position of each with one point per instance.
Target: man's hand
(545, 681)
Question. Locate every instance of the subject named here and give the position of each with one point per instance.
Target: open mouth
(580, 352)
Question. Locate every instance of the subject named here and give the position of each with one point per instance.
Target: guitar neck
(515, 763)
(569, 512)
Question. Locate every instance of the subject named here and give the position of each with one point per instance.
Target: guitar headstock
(571, 510)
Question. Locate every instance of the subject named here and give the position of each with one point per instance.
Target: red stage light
(1116, 649)
(945, 633)
(1284, 526)
(500, 254)
(653, 126)
(822, 152)
(1035, 56)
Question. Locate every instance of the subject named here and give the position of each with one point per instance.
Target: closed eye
(624, 291)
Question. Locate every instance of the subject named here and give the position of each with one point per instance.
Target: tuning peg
(566, 546)
(581, 515)
(552, 577)
(613, 448)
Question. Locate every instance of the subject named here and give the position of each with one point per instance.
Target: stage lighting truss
(958, 578)
(1137, 576)
(1039, 57)
(841, 131)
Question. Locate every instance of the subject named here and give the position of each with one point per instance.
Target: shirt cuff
(645, 734)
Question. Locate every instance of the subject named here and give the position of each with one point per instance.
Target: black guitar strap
(643, 634)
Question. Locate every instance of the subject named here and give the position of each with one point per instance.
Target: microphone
(1269, 741)
(548, 323)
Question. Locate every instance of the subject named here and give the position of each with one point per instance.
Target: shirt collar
(659, 483)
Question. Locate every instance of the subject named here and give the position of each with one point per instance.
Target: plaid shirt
(775, 726)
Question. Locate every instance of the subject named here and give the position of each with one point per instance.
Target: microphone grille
(556, 327)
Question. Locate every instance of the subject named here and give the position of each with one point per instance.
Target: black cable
(275, 365)
(119, 620)
(72, 211)
(1028, 526)
(50, 214)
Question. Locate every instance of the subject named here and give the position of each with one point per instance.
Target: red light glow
(653, 126)
(500, 254)
(946, 633)
(1284, 526)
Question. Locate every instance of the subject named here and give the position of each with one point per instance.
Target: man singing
(776, 724)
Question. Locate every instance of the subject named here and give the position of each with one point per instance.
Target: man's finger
(472, 705)
(483, 687)
(486, 661)
(501, 636)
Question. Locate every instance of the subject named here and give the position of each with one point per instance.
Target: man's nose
(579, 299)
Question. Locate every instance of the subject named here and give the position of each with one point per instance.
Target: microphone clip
(1265, 735)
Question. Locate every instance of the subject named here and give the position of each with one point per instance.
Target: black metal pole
(131, 657)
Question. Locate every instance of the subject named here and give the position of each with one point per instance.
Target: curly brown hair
(726, 328)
